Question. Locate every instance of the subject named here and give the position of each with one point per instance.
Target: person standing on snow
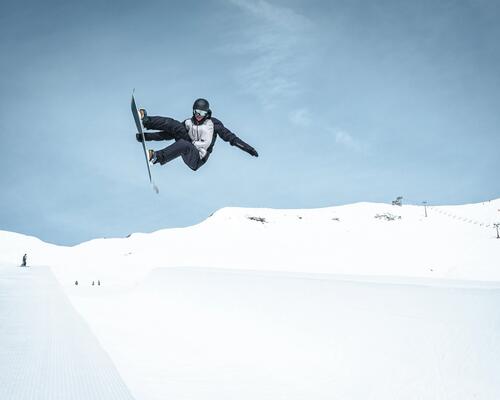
(194, 138)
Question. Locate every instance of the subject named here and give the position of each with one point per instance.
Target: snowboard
(138, 124)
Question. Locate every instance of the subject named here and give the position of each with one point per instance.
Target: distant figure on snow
(25, 259)
(194, 137)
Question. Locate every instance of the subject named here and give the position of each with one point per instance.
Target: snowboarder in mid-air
(194, 138)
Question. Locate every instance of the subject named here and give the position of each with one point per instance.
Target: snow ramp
(205, 334)
(47, 351)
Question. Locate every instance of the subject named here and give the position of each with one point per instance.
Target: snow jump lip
(157, 272)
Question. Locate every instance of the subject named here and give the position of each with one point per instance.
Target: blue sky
(345, 101)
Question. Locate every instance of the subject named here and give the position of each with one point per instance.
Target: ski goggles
(201, 113)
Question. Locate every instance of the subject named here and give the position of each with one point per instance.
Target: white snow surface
(48, 351)
(336, 302)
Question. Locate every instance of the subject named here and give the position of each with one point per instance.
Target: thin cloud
(347, 140)
(301, 117)
(273, 41)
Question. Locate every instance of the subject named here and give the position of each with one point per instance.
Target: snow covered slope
(208, 334)
(47, 351)
(453, 242)
(353, 302)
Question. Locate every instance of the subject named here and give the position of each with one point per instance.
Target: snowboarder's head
(201, 110)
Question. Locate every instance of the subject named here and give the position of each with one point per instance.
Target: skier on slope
(194, 138)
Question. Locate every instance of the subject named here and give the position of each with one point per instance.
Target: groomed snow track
(47, 351)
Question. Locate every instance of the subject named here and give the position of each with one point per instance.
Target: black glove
(245, 147)
(138, 136)
(250, 150)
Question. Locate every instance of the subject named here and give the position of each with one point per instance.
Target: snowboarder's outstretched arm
(228, 136)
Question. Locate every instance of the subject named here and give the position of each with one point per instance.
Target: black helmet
(201, 111)
(201, 104)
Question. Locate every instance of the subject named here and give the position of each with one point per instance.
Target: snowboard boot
(152, 156)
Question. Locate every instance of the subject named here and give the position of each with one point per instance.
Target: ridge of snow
(454, 242)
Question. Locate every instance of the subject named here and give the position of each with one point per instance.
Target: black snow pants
(183, 148)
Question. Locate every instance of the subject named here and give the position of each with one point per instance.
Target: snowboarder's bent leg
(169, 127)
(184, 148)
